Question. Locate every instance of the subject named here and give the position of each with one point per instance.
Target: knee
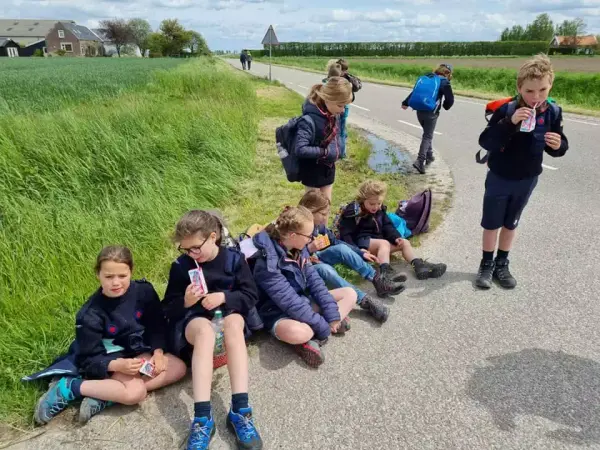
(135, 393)
(385, 246)
(176, 368)
(294, 333)
(303, 333)
(349, 293)
(233, 323)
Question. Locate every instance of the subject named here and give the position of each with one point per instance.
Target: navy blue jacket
(516, 155)
(110, 328)
(285, 286)
(357, 227)
(322, 229)
(445, 92)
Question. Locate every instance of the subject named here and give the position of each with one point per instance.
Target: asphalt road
(457, 368)
(454, 367)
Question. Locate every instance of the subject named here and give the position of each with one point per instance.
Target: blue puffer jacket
(285, 285)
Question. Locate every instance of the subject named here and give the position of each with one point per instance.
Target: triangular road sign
(270, 38)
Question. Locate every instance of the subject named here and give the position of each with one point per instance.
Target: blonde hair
(197, 221)
(371, 188)
(291, 220)
(314, 201)
(331, 62)
(535, 68)
(334, 71)
(114, 253)
(343, 64)
(337, 90)
(444, 71)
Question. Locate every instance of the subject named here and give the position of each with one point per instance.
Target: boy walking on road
(515, 161)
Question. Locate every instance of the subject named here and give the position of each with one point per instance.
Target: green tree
(176, 37)
(571, 29)
(541, 29)
(516, 33)
(118, 32)
(140, 31)
(156, 44)
(198, 44)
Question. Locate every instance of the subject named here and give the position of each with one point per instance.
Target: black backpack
(285, 137)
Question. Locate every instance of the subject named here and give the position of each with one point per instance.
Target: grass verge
(576, 92)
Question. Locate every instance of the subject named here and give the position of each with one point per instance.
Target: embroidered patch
(138, 314)
(112, 329)
(540, 121)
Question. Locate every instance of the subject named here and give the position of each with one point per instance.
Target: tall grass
(575, 89)
(119, 171)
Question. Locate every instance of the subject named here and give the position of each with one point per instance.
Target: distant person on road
(116, 330)
(365, 224)
(428, 112)
(230, 287)
(249, 60)
(515, 162)
(243, 59)
(295, 305)
(320, 148)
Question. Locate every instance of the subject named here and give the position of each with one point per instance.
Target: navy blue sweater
(124, 327)
(516, 155)
(357, 227)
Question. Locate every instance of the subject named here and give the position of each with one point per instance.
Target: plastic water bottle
(281, 151)
(217, 324)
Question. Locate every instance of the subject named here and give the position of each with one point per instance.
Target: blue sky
(236, 24)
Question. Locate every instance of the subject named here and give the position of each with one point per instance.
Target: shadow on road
(425, 288)
(554, 385)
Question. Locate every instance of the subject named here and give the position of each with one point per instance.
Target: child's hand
(214, 300)
(335, 326)
(404, 107)
(159, 361)
(399, 242)
(370, 257)
(553, 140)
(312, 247)
(192, 295)
(127, 366)
(521, 114)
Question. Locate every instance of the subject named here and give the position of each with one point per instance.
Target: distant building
(9, 48)
(75, 40)
(581, 45)
(29, 50)
(27, 31)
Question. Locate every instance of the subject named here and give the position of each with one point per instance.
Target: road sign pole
(270, 46)
(270, 39)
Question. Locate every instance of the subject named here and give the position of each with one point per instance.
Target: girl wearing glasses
(189, 311)
(295, 304)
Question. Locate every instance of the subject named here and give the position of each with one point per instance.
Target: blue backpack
(424, 96)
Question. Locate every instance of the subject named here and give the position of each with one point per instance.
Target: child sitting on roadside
(295, 304)
(365, 223)
(119, 327)
(230, 288)
(328, 251)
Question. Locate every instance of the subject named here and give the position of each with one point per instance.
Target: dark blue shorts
(504, 201)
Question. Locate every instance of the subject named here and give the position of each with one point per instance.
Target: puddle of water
(387, 158)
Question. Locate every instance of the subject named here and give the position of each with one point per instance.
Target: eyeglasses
(195, 250)
(310, 238)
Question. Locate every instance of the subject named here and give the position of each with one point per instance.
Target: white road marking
(581, 121)
(469, 101)
(303, 87)
(289, 82)
(359, 107)
(417, 126)
(549, 167)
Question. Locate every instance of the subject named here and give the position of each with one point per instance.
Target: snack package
(528, 125)
(322, 241)
(147, 369)
(197, 279)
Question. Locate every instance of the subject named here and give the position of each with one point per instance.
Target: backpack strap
(232, 260)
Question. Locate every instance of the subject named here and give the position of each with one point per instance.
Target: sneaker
(391, 274)
(425, 270)
(503, 275)
(55, 400)
(202, 431)
(420, 166)
(429, 159)
(485, 274)
(90, 407)
(385, 286)
(246, 434)
(376, 308)
(311, 353)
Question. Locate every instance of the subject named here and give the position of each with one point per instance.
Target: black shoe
(420, 166)
(503, 275)
(376, 308)
(429, 159)
(391, 274)
(485, 274)
(425, 270)
(385, 286)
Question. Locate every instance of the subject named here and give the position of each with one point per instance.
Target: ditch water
(387, 158)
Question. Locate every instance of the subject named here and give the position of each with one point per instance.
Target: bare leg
(490, 237)
(237, 354)
(507, 238)
(120, 388)
(381, 248)
(346, 299)
(175, 371)
(293, 332)
(200, 334)
(407, 250)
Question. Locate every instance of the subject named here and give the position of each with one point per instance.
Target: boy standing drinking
(515, 162)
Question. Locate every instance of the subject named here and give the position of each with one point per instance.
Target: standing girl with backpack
(426, 99)
(229, 288)
(295, 305)
(318, 148)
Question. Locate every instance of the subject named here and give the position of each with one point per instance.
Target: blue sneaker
(245, 432)
(55, 400)
(203, 429)
(90, 407)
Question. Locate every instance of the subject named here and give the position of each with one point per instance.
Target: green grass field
(573, 90)
(119, 164)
